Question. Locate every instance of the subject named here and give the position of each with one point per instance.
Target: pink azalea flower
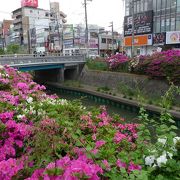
(100, 143)
(121, 164)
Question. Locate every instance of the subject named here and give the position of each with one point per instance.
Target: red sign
(29, 3)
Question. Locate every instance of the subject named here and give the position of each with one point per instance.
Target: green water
(89, 103)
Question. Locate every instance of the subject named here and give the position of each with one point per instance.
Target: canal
(90, 103)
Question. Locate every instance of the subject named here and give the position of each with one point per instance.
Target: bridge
(54, 68)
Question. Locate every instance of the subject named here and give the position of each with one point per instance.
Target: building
(29, 19)
(5, 32)
(98, 43)
(156, 24)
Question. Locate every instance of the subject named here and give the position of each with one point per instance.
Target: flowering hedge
(44, 137)
(118, 62)
(164, 64)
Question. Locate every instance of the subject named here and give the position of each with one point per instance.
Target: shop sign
(159, 38)
(29, 3)
(143, 23)
(143, 40)
(173, 37)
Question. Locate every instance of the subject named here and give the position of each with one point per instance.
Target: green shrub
(97, 65)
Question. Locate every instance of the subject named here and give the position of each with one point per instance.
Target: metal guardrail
(28, 59)
(38, 55)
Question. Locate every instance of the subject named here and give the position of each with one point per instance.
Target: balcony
(17, 27)
(16, 21)
(19, 13)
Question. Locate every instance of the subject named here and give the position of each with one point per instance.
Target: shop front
(142, 44)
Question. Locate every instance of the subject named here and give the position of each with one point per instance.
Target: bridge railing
(37, 55)
(25, 59)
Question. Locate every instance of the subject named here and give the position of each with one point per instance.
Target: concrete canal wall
(113, 80)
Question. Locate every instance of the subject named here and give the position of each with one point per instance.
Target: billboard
(33, 36)
(159, 38)
(29, 3)
(173, 37)
(143, 40)
(68, 31)
(143, 23)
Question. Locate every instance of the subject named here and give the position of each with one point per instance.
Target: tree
(13, 48)
(1, 51)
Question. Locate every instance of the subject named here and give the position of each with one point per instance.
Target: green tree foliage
(13, 48)
(1, 51)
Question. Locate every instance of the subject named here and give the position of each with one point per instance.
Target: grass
(97, 65)
(72, 83)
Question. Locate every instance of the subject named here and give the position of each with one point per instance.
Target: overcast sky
(100, 12)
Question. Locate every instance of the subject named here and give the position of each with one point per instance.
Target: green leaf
(173, 127)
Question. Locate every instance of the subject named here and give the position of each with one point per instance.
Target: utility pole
(112, 31)
(86, 20)
(29, 41)
(132, 43)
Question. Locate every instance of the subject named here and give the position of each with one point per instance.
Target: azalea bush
(45, 137)
(159, 65)
(118, 62)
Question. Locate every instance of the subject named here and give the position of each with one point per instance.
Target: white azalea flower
(149, 160)
(29, 100)
(20, 116)
(161, 159)
(7, 75)
(170, 155)
(176, 139)
(63, 102)
(162, 140)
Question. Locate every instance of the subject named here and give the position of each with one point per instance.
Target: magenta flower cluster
(115, 61)
(18, 125)
(71, 169)
(163, 64)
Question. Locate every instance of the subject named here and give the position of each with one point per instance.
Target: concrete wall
(112, 80)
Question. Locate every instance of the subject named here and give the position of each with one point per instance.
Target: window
(31, 11)
(154, 5)
(178, 23)
(173, 6)
(158, 5)
(154, 24)
(142, 6)
(149, 5)
(109, 41)
(145, 5)
(103, 40)
(173, 3)
(167, 23)
(178, 5)
(138, 6)
(163, 24)
(158, 23)
(163, 4)
(135, 7)
(127, 8)
(172, 22)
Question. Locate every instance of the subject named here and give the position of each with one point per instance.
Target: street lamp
(132, 43)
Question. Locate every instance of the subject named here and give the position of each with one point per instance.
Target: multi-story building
(99, 43)
(4, 32)
(28, 19)
(156, 24)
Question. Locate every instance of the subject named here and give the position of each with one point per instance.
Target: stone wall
(113, 80)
